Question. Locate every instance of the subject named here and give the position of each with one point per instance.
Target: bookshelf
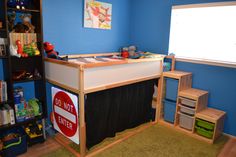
(32, 86)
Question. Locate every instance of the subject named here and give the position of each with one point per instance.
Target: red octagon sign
(65, 113)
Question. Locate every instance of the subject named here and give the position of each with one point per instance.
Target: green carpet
(157, 141)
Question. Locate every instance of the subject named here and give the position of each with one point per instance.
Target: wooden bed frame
(92, 77)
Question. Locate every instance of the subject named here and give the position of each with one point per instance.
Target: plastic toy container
(187, 110)
(171, 89)
(186, 121)
(204, 132)
(205, 124)
(169, 111)
(16, 146)
(187, 102)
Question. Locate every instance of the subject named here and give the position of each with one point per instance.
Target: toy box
(171, 88)
(34, 133)
(15, 145)
(169, 111)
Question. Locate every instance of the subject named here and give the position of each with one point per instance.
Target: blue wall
(66, 31)
(154, 17)
(63, 26)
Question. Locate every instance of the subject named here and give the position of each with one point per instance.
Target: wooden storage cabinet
(192, 101)
(191, 107)
(33, 64)
(214, 117)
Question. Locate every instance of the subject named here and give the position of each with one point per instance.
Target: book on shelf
(6, 115)
(3, 91)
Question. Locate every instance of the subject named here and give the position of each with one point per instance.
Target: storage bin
(186, 121)
(204, 132)
(16, 146)
(187, 102)
(169, 110)
(187, 110)
(171, 89)
(205, 124)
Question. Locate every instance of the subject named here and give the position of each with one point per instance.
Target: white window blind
(204, 32)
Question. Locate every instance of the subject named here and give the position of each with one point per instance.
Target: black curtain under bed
(110, 111)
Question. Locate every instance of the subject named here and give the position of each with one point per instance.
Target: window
(204, 32)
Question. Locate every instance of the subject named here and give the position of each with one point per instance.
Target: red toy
(20, 49)
(51, 53)
(125, 52)
(49, 49)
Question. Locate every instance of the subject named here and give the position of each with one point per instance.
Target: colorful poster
(97, 14)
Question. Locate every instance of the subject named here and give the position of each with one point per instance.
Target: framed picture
(97, 14)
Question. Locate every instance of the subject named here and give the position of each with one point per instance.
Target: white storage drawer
(187, 110)
(186, 121)
(187, 102)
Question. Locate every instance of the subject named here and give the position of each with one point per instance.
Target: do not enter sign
(65, 107)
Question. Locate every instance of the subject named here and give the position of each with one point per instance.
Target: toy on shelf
(11, 20)
(34, 132)
(25, 110)
(51, 53)
(35, 105)
(35, 48)
(23, 26)
(18, 4)
(20, 49)
(26, 20)
(31, 49)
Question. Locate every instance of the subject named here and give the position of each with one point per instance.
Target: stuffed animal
(13, 51)
(20, 28)
(132, 50)
(124, 52)
(49, 49)
(26, 20)
(11, 20)
(51, 53)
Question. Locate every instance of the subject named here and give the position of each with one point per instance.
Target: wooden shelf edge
(23, 10)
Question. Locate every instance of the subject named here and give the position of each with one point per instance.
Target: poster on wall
(65, 114)
(97, 14)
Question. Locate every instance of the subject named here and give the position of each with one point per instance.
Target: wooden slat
(175, 74)
(192, 93)
(210, 114)
(91, 55)
(82, 126)
(61, 62)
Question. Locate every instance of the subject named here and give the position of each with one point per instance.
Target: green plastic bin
(204, 132)
(205, 124)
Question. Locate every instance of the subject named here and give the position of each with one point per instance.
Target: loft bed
(98, 77)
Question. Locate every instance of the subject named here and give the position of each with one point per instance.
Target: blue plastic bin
(16, 146)
(171, 89)
(169, 110)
